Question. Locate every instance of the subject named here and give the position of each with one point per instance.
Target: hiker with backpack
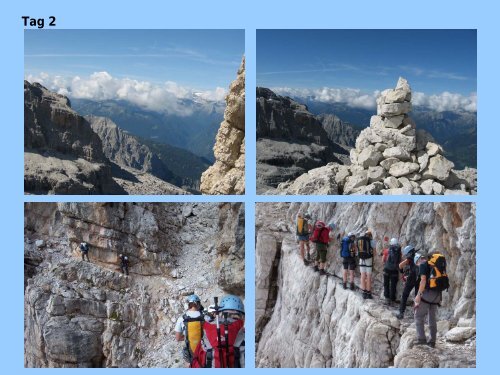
(366, 250)
(410, 276)
(84, 249)
(223, 341)
(189, 327)
(392, 258)
(321, 237)
(348, 254)
(303, 231)
(124, 264)
(433, 281)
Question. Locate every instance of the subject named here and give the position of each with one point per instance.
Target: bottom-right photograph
(365, 285)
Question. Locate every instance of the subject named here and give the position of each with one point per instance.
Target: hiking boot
(420, 342)
(400, 315)
(322, 272)
(305, 262)
(344, 285)
(369, 295)
(387, 302)
(308, 257)
(352, 286)
(316, 268)
(432, 344)
(364, 294)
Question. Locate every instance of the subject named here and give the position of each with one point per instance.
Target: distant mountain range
(455, 131)
(194, 132)
(67, 153)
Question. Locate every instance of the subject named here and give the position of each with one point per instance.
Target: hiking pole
(219, 347)
(226, 336)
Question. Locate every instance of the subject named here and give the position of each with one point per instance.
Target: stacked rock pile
(393, 157)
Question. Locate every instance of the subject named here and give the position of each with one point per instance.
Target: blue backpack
(345, 250)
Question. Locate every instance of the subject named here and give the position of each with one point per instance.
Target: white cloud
(102, 86)
(445, 101)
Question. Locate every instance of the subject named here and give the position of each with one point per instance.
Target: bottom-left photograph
(134, 285)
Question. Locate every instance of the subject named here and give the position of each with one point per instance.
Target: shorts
(365, 265)
(321, 250)
(305, 237)
(349, 263)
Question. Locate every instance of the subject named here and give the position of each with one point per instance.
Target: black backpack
(365, 250)
(393, 258)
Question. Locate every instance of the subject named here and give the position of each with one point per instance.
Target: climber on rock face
(321, 237)
(303, 231)
(124, 264)
(84, 249)
(391, 270)
(189, 327)
(366, 250)
(409, 270)
(433, 280)
(223, 342)
(348, 254)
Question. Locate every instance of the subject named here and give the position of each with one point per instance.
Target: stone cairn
(393, 157)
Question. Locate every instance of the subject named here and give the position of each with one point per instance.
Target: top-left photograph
(141, 112)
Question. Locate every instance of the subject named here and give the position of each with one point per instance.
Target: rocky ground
(87, 314)
(324, 325)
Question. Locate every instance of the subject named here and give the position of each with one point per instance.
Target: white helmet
(126, 258)
(394, 241)
(350, 234)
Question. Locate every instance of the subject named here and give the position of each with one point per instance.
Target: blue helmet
(407, 251)
(231, 302)
(193, 298)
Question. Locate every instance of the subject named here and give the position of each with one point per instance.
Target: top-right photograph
(390, 112)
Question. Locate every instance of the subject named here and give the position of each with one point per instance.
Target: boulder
(438, 169)
(376, 174)
(433, 148)
(426, 187)
(437, 188)
(394, 121)
(396, 152)
(393, 109)
(387, 163)
(355, 181)
(460, 334)
(392, 182)
(423, 160)
(369, 157)
(401, 168)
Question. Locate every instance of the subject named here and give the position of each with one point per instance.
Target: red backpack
(208, 354)
(321, 233)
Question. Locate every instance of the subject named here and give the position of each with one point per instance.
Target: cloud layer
(445, 101)
(166, 97)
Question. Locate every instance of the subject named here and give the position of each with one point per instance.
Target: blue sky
(433, 61)
(202, 59)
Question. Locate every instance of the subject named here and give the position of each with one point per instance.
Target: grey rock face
(126, 150)
(62, 153)
(88, 314)
(337, 131)
(290, 140)
(323, 325)
(227, 175)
